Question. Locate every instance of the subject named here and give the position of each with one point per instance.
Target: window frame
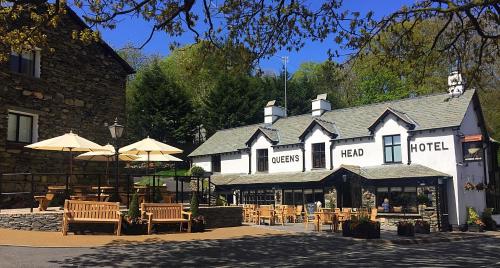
(262, 160)
(18, 119)
(34, 71)
(392, 145)
(318, 153)
(216, 163)
(480, 152)
(391, 195)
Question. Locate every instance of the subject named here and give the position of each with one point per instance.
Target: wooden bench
(165, 213)
(44, 200)
(76, 211)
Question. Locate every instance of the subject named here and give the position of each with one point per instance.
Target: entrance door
(442, 206)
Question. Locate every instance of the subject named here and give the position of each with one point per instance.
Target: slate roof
(401, 171)
(428, 112)
(398, 171)
(272, 178)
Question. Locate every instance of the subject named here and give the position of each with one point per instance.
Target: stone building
(44, 94)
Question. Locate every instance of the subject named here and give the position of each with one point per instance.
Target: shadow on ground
(289, 249)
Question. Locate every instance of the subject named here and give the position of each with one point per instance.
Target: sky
(135, 31)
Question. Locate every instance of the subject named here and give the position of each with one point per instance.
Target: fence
(19, 189)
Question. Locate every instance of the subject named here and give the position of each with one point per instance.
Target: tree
(235, 101)
(263, 27)
(160, 109)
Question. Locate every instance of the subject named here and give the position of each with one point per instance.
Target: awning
(477, 137)
(273, 178)
(398, 171)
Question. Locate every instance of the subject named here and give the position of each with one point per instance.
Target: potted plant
(346, 228)
(490, 224)
(480, 186)
(474, 223)
(197, 220)
(406, 228)
(133, 223)
(422, 227)
(363, 227)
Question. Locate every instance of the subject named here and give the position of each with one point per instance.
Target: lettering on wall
(285, 159)
(352, 153)
(428, 147)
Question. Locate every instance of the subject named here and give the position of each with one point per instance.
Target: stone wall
(80, 88)
(48, 221)
(217, 217)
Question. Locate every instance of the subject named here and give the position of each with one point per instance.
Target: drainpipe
(302, 147)
(331, 155)
(249, 161)
(408, 147)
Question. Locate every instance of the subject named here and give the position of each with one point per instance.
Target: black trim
(18, 119)
(311, 126)
(392, 149)
(331, 155)
(408, 138)
(303, 157)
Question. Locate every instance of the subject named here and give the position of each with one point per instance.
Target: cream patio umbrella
(148, 147)
(69, 142)
(105, 156)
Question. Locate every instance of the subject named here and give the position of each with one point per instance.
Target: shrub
(221, 201)
(133, 209)
(488, 221)
(197, 171)
(423, 199)
(473, 217)
(194, 205)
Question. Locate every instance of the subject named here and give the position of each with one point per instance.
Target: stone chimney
(320, 105)
(273, 112)
(455, 81)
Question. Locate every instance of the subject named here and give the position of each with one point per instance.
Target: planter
(475, 228)
(407, 229)
(366, 230)
(134, 228)
(346, 229)
(197, 226)
(422, 227)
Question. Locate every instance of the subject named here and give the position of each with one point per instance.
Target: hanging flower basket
(469, 186)
(480, 186)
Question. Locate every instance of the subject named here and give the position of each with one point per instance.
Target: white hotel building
(357, 157)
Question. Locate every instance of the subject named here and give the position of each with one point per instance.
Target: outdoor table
(56, 188)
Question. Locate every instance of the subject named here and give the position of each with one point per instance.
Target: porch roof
(396, 171)
(273, 178)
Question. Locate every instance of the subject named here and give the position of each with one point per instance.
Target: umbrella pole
(70, 172)
(107, 170)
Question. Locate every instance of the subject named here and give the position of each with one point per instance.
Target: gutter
(303, 149)
(331, 155)
(408, 147)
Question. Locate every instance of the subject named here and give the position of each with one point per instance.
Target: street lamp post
(116, 131)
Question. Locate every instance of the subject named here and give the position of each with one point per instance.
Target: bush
(406, 228)
(488, 221)
(221, 201)
(197, 171)
(423, 199)
(422, 227)
(194, 205)
(473, 217)
(133, 209)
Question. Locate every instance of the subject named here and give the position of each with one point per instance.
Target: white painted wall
(203, 161)
(261, 142)
(232, 163)
(287, 153)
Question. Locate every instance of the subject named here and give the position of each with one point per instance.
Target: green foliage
(159, 108)
(472, 216)
(133, 209)
(221, 201)
(423, 199)
(194, 205)
(488, 221)
(197, 171)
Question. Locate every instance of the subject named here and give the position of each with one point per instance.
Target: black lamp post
(116, 131)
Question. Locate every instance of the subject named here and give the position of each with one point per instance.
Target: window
(216, 163)
(27, 63)
(472, 150)
(20, 128)
(262, 160)
(318, 155)
(392, 149)
(397, 199)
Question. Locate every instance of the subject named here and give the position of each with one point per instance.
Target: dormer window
(318, 155)
(262, 160)
(27, 63)
(216, 163)
(392, 149)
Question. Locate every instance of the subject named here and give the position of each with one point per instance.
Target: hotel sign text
(352, 152)
(285, 159)
(428, 147)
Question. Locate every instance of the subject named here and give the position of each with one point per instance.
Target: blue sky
(135, 31)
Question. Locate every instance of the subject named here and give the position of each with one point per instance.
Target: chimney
(320, 105)
(455, 81)
(273, 112)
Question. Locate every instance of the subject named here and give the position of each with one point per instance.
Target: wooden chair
(168, 198)
(309, 216)
(327, 217)
(290, 214)
(91, 212)
(279, 214)
(266, 212)
(373, 214)
(44, 200)
(298, 212)
(165, 213)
